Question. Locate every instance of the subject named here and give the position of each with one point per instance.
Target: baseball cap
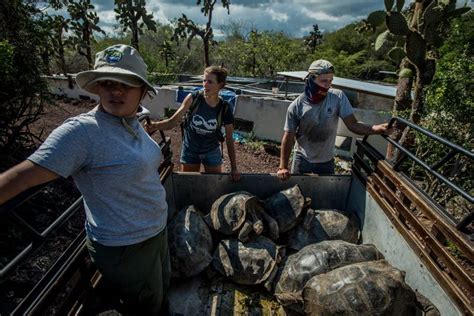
(320, 67)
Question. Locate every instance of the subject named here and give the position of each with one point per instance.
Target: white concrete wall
(60, 85)
(267, 114)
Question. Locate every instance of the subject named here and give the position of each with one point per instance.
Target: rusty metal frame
(399, 199)
(422, 222)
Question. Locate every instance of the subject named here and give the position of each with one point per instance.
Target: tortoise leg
(245, 231)
(428, 308)
(309, 218)
(272, 224)
(257, 222)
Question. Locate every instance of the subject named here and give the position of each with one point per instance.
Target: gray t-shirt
(116, 172)
(315, 125)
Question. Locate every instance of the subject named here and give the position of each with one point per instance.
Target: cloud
(294, 17)
(278, 16)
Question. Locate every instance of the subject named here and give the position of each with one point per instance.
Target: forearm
(22, 177)
(286, 146)
(231, 152)
(361, 129)
(171, 122)
(164, 124)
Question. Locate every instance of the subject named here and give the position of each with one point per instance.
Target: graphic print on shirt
(203, 127)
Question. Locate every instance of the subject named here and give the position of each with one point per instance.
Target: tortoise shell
(317, 259)
(229, 211)
(320, 225)
(285, 207)
(365, 288)
(251, 263)
(190, 243)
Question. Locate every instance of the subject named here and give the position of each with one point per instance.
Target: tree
(186, 28)
(22, 89)
(133, 16)
(314, 38)
(262, 54)
(58, 26)
(84, 21)
(421, 29)
(166, 51)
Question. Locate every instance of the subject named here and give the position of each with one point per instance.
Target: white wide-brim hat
(120, 63)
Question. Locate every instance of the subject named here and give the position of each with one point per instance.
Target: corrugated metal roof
(354, 85)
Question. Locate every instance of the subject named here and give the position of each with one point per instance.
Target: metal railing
(432, 169)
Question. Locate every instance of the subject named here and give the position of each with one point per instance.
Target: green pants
(140, 273)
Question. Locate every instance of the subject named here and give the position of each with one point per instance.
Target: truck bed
(400, 219)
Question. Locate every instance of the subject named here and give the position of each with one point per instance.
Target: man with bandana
(312, 121)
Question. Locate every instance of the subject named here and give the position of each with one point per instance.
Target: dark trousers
(301, 165)
(138, 273)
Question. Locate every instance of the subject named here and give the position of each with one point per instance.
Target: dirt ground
(252, 157)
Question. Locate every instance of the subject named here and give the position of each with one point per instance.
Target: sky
(294, 17)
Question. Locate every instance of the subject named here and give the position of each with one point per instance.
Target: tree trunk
(417, 105)
(87, 40)
(206, 51)
(407, 139)
(135, 37)
(401, 103)
(62, 59)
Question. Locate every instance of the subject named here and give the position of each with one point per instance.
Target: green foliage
(347, 39)
(22, 89)
(382, 41)
(6, 56)
(55, 27)
(254, 142)
(396, 54)
(161, 79)
(449, 111)
(262, 54)
(416, 49)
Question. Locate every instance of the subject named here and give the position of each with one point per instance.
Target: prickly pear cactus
(396, 23)
(422, 27)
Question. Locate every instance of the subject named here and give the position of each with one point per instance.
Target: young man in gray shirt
(311, 121)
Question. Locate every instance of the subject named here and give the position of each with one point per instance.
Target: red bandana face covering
(314, 92)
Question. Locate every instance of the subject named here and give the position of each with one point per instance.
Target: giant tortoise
(316, 259)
